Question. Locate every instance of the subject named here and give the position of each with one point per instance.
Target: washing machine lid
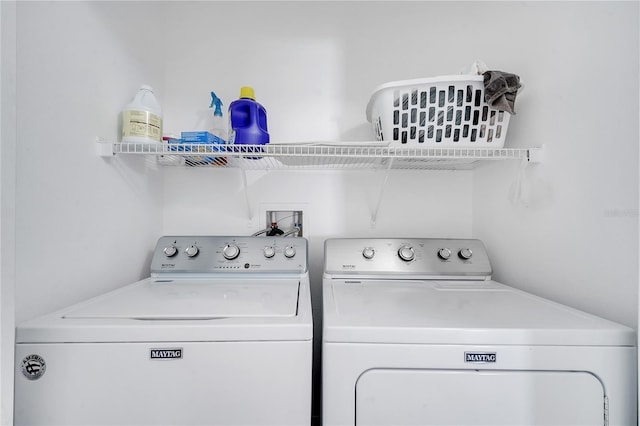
(457, 312)
(194, 299)
(184, 309)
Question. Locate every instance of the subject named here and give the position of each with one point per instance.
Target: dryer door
(479, 397)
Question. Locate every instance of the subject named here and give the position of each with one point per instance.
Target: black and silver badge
(165, 353)
(480, 357)
(33, 366)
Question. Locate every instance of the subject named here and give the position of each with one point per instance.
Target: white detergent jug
(142, 118)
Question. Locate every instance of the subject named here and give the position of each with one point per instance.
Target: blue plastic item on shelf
(198, 142)
(201, 137)
(248, 120)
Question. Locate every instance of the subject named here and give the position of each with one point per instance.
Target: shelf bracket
(105, 149)
(374, 214)
(536, 155)
(246, 193)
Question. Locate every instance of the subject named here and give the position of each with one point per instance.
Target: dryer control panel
(417, 257)
(236, 255)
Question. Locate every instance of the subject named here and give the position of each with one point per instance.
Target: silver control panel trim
(204, 255)
(428, 258)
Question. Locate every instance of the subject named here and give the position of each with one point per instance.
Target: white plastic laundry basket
(439, 111)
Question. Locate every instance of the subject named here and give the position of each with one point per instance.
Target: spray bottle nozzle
(217, 102)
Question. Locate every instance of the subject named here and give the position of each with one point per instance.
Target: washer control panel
(425, 257)
(214, 254)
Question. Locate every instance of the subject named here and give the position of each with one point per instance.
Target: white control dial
(289, 252)
(231, 251)
(269, 252)
(406, 253)
(444, 253)
(465, 253)
(170, 251)
(368, 253)
(192, 250)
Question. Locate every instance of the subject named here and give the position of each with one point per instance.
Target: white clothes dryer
(415, 332)
(219, 334)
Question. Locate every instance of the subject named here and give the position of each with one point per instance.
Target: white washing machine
(416, 333)
(219, 334)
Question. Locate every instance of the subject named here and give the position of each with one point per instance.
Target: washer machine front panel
(166, 383)
(220, 334)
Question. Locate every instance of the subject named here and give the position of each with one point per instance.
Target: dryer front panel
(386, 397)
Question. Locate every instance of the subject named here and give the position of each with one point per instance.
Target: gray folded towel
(500, 90)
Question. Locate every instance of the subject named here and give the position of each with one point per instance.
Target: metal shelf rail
(318, 155)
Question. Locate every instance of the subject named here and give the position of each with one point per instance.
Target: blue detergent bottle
(248, 120)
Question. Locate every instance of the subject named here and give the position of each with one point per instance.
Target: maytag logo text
(173, 353)
(479, 357)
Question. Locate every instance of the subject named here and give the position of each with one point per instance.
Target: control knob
(192, 250)
(465, 253)
(368, 253)
(170, 251)
(289, 252)
(406, 253)
(269, 252)
(231, 251)
(444, 253)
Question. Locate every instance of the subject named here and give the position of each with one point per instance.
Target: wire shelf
(318, 155)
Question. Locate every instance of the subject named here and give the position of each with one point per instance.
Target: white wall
(84, 224)
(314, 65)
(574, 238)
(7, 206)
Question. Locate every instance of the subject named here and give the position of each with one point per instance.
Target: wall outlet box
(286, 216)
(286, 220)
